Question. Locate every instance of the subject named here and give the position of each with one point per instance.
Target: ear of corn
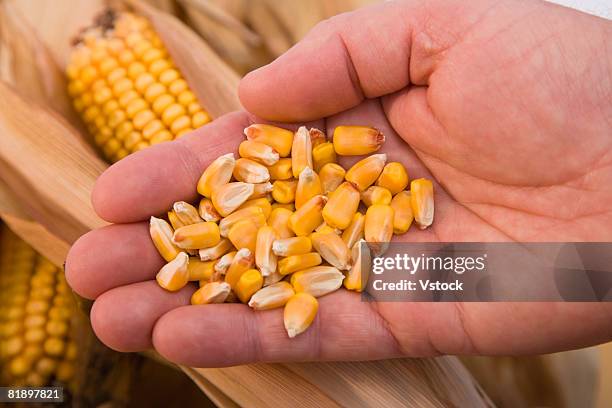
(126, 87)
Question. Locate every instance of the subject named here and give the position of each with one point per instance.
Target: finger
(112, 256)
(231, 334)
(123, 318)
(367, 53)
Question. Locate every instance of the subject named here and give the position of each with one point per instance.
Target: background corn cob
(37, 345)
(126, 87)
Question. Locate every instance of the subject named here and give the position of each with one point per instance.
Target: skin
(505, 104)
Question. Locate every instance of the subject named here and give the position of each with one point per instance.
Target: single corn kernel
(279, 139)
(296, 263)
(228, 197)
(242, 262)
(422, 202)
(212, 292)
(279, 220)
(254, 214)
(357, 140)
(265, 258)
(357, 276)
(272, 297)
(354, 232)
(292, 246)
(393, 177)
(332, 248)
(186, 213)
(249, 171)
(300, 311)
(262, 203)
(341, 206)
(287, 206)
(301, 151)
(283, 191)
(197, 236)
(281, 170)
(174, 220)
(322, 154)
(365, 172)
(376, 195)
(207, 210)
(326, 229)
(308, 186)
(217, 174)
(308, 217)
(199, 270)
(248, 284)
(161, 234)
(221, 266)
(378, 228)
(243, 234)
(273, 278)
(331, 176)
(261, 190)
(217, 251)
(174, 275)
(402, 212)
(317, 281)
(317, 137)
(260, 152)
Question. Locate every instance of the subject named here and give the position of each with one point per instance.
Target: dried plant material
(174, 275)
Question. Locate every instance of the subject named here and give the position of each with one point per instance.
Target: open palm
(506, 105)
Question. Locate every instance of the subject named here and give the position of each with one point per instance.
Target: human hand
(505, 104)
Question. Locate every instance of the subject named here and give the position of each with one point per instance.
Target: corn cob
(126, 88)
(37, 346)
(265, 244)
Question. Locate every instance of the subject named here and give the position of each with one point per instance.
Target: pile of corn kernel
(282, 225)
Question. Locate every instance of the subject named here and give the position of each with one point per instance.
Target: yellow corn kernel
(228, 197)
(221, 266)
(317, 281)
(217, 174)
(260, 152)
(261, 190)
(308, 186)
(354, 232)
(295, 263)
(326, 229)
(217, 251)
(287, 206)
(281, 170)
(333, 249)
(279, 139)
(174, 275)
(357, 140)
(393, 177)
(248, 284)
(376, 195)
(249, 171)
(161, 234)
(207, 210)
(308, 217)
(283, 191)
(279, 220)
(197, 236)
(272, 297)
(365, 172)
(212, 292)
(331, 176)
(357, 276)
(378, 228)
(253, 214)
(342, 205)
(174, 220)
(186, 213)
(265, 258)
(242, 262)
(301, 151)
(243, 234)
(292, 246)
(322, 154)
(422, 202)
(199, 270)
(317, 137)
(300, 311)
(262, 203)
(402, 212)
